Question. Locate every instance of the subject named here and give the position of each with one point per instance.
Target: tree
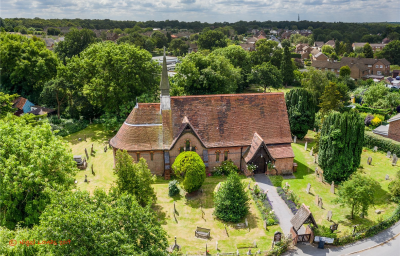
(285, 43)
(59, 89)
(327, 49)
(101, 223)
(266, 75)
(160, 39)
(6, 104)
(331, 99)
(265, 51)
(315, 82)
(190, 165)
(211, 39)
(394, 187)
(26, 64)
(212, 74)
(133, 38)
(179, 47)
(34, 162)
(287, 67)
(358, 193)
(379, 96)
(367, 50)
(231, 200)
(74, 43)
(301, 111)
(391, 52)
(109, 74)
(345, 71)
(134, 178)
(340, 145)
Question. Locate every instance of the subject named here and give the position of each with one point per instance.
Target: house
(299, 48)
(315, 51)
(358, 70)
(244, 128)
(39, 110)
(320, 57)
(251, 40)
(22, 105)
(376, 66)
(391, 130)
(330, 43)
(111, 36)
(49, 43)
(318, 44)
(193, 48)
(375, 47)
(248, 47)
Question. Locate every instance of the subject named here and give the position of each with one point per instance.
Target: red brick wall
(181, 142)
(156, 165)
(233, 154)
(385, 70)
(283, 164)
(394, 130)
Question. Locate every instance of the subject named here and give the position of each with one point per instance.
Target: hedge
(384, 144)
(69, 126)
(384, 112)
(296, 55)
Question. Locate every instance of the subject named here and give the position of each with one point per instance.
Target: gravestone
(105, 149)
(387, 177)
(249, 184)
(329, 216)
(369, 161)
(295, 139)
(315, 158)
(92, 170)
(316, 171)
(79, 139)
(247, 224)
(265, 224)
(333, 187)
(320, 203)
(219, 185)
(389, 154)
(305, 146)
(85, 178)
(394, 161)
(375, 149)
(334, 227)
(308, 188)
(216, 247)
(311, 151)
(287, 185)
(85, 137)
(87, 156)
(317, 199)
(321, 177)
(91, 150)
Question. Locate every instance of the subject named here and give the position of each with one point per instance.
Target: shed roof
(303, 216)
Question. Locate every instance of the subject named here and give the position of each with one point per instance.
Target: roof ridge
(229, 95)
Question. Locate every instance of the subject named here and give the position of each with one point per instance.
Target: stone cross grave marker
(394, 161)
(295, 139)
(311, 151)
(317, 199)
(87, 156)
(369, 161)
(305, 146)
(387, 177)
(389, 154)
(333, 187)
(375, 149)
(320, 203)
(329, 216)
(308, 188)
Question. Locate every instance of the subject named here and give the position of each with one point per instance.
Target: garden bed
(292, 205)
(263, 204)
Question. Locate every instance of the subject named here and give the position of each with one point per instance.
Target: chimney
(164, 86)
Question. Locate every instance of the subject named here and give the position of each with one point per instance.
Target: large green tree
(112, 75)
(391, 52)
(26, 64)
(133, 38)
(331, 99)
(190, 165)
(58, 89)
(340, 145)
(345, 71)
(6, 104)
(266, 50)
(33, 161)
(379, 96)
(287, 67)
(231, 200)
(266, 75)
(367, 50)
(134, 178)
(160, 39)
(301, 111)
(211, 39)
(74, 43)
(315, 81)
(200, 74)
(358, 193)
(178, 47)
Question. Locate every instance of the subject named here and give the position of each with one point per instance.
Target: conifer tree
(287, 67)
(368, 51)
(340, 145)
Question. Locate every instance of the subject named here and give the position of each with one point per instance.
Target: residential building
(375, 66)
(193, 48)
(391, 130)
(358, 70)
(244, 128)
(375, 47)
(320, 57)
(318, 44)
(248, 47)
(22, 105)
(330, 43)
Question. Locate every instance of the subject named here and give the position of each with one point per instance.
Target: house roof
(319, 54)
(303, 216)
(382, 130)
(218, 121)
(395, 118)
(330, 42)
(19, 102)
(281, 151)
(256, 143)
(315, 52)
(319, 43)
(364, 61)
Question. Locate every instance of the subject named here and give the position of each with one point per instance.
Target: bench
(202, 232)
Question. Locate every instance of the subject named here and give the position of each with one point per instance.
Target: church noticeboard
(277, 236)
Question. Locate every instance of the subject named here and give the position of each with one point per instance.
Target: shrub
(366, 109)
(190, 165)
(265, 207)
(292, 206)
(231, 200)
(384, 144)
(368, 119)
(173, 188)
(376, 121)
(394, 187)
(324, 231)
(226, 168)
(67, 126)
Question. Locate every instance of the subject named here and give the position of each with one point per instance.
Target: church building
(244, 128)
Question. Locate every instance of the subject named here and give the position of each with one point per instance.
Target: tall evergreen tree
(330, 99)
(368, 51)
(340, 145)
(301, 111)
(287, 67)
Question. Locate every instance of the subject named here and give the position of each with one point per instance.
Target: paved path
(279, 206)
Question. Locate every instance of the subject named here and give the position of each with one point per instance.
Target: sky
(206, 10)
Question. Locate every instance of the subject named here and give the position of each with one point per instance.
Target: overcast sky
(206, 10)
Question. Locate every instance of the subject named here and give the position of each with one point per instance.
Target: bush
(324, 231)
(231, 200)
(265, 207)
(190, 165)
(225, 168)
(394, 188)
(376, 121)
(384, 144)
(364, 108)
(67, 126)
(173, 188)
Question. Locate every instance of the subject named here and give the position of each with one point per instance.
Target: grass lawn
(102, 162)
(189, 216)
(305, 174)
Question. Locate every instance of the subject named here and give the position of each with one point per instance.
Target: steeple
(164, 86)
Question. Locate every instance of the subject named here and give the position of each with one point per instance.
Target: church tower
(165, 98)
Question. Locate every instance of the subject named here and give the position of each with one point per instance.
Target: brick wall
(284, 164)
(233, 154)
(294, 235)
(309, 231)
(394, 130)
(181, 142)
(385, 69)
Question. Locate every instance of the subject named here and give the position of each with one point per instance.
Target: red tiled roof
(255, 144)
(19, 102)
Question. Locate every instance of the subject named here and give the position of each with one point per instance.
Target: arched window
(217, 156)
(226, 155)
(151, 156)
(181, 150)
(138, 156)
(187, 145)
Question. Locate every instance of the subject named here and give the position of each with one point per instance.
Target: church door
(259, 161)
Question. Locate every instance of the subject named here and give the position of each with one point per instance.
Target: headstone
(85, 178)
(320, 203)
(87, 156)
(79, 139)
(247, 224)
(389, 154)
(216, 245)
(265, 224)
(305, 146)
(311, 151)
(394, 161)
(329, 216)
(287, 185)
(249, 252)
(369, 161)
(320, 176)
(174, 207)
(375, 149)
(237, 252)
(308, 188)
(387, 177)
(334, 227)
(317, 199)
(316, 171)
(105, 149)
(92, 170)
(315, 158)
(249, 184)
(85, 137)
(333, 187)
(295, 139)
